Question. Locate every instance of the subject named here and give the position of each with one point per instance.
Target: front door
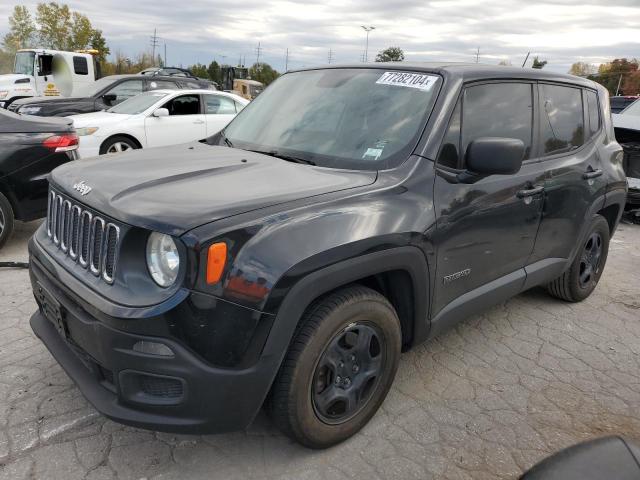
(185, 123)
(486, 230)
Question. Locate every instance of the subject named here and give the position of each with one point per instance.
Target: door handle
(591, 174)
(530, 192)
(198, 122)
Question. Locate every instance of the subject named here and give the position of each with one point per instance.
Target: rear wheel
(339, 367)
(118, 144)
(6, 220)
(581, 278)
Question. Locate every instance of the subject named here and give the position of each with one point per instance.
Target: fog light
(153, 348)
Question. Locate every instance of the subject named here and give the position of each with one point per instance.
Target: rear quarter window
(594, 111)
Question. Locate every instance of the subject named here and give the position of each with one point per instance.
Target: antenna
(525, 59)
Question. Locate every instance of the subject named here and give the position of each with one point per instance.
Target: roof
(199, 91)
(468, 71)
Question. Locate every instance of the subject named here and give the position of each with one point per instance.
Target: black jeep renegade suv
(345, 215)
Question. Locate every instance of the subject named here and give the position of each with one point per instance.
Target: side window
(217, 104)
(594, 111)
(189, 84)
(184, 105)
(162, 85)
(45, 65)
(562, 119)
(80, 66)
(498, 110)
(449, 155)
(125, 90)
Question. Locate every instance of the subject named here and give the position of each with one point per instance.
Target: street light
(366, 48)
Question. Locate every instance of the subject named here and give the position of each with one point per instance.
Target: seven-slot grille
(84, 236)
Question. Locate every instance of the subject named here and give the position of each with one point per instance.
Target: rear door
(219, 111)
(486, 230)
(570, 128)
(185, 122)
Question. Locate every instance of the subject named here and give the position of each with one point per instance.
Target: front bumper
(181, 393)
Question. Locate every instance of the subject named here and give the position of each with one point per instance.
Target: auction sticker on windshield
(420, 81)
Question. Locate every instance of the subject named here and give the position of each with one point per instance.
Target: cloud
(562, 31)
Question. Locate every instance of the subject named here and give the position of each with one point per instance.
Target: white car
(627, 129)
(155, 119)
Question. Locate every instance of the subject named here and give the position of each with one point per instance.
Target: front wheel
(581, 278)
(117, 144)
(339, 367)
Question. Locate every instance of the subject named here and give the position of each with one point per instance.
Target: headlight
(27, 110)
(4, 93)
(86, 131)
(163, 259)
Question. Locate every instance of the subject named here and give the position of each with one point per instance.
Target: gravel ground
(484, 401)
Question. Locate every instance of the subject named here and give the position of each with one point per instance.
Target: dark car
(29, 149)
(102, 94)
(179, 72)
(347, 214)
(619, 103)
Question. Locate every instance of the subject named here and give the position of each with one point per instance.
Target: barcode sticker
(421, 81)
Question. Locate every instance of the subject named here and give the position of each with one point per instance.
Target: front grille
(161, 387)
(85, 237)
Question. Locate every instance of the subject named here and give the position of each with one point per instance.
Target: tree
(81, 32)
(56, 24)
(199, 70)
(391, 54)
(582, 69)
(263, 73)
(214, 72)
(612, 75)
(505, 63)
(22, 30)
(537, 63)
(98, 42)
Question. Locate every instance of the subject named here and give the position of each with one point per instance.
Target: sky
(561, 32)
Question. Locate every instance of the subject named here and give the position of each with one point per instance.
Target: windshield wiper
(282, 156)
(226, 140)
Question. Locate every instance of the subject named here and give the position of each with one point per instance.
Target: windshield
(137, 104)
(633, 109)
(24, 63)
(366, 119)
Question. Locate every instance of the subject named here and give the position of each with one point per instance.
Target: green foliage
(22, 30)
(199, 70)
(214, 73)
(263, 73)
(582, 69)
(537, 63)
(55, 23)
(391, 54)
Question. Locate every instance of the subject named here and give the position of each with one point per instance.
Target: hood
(10, 79)
(629, 122)
(52, 100)
(175, 189)
(97, 119)
(13, 123)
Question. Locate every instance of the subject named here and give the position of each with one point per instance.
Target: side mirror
(109, 98)
(161, 112)
(495, 156)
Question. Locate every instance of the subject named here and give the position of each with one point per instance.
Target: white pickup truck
(47, 73)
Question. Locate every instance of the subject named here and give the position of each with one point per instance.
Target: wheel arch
(401, 274)
(126, 135)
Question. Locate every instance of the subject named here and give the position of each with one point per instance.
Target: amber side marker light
(216, 258)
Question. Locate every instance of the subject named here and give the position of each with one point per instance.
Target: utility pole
(330, 56)
(154, 44)
(618, 87)
(258, 51)
(366, 48)
(286, 61)
(165, 54)
(477, 54)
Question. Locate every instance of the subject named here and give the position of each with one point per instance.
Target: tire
(117, 144)
(326, 360)
(581, 278)
(6, 220)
